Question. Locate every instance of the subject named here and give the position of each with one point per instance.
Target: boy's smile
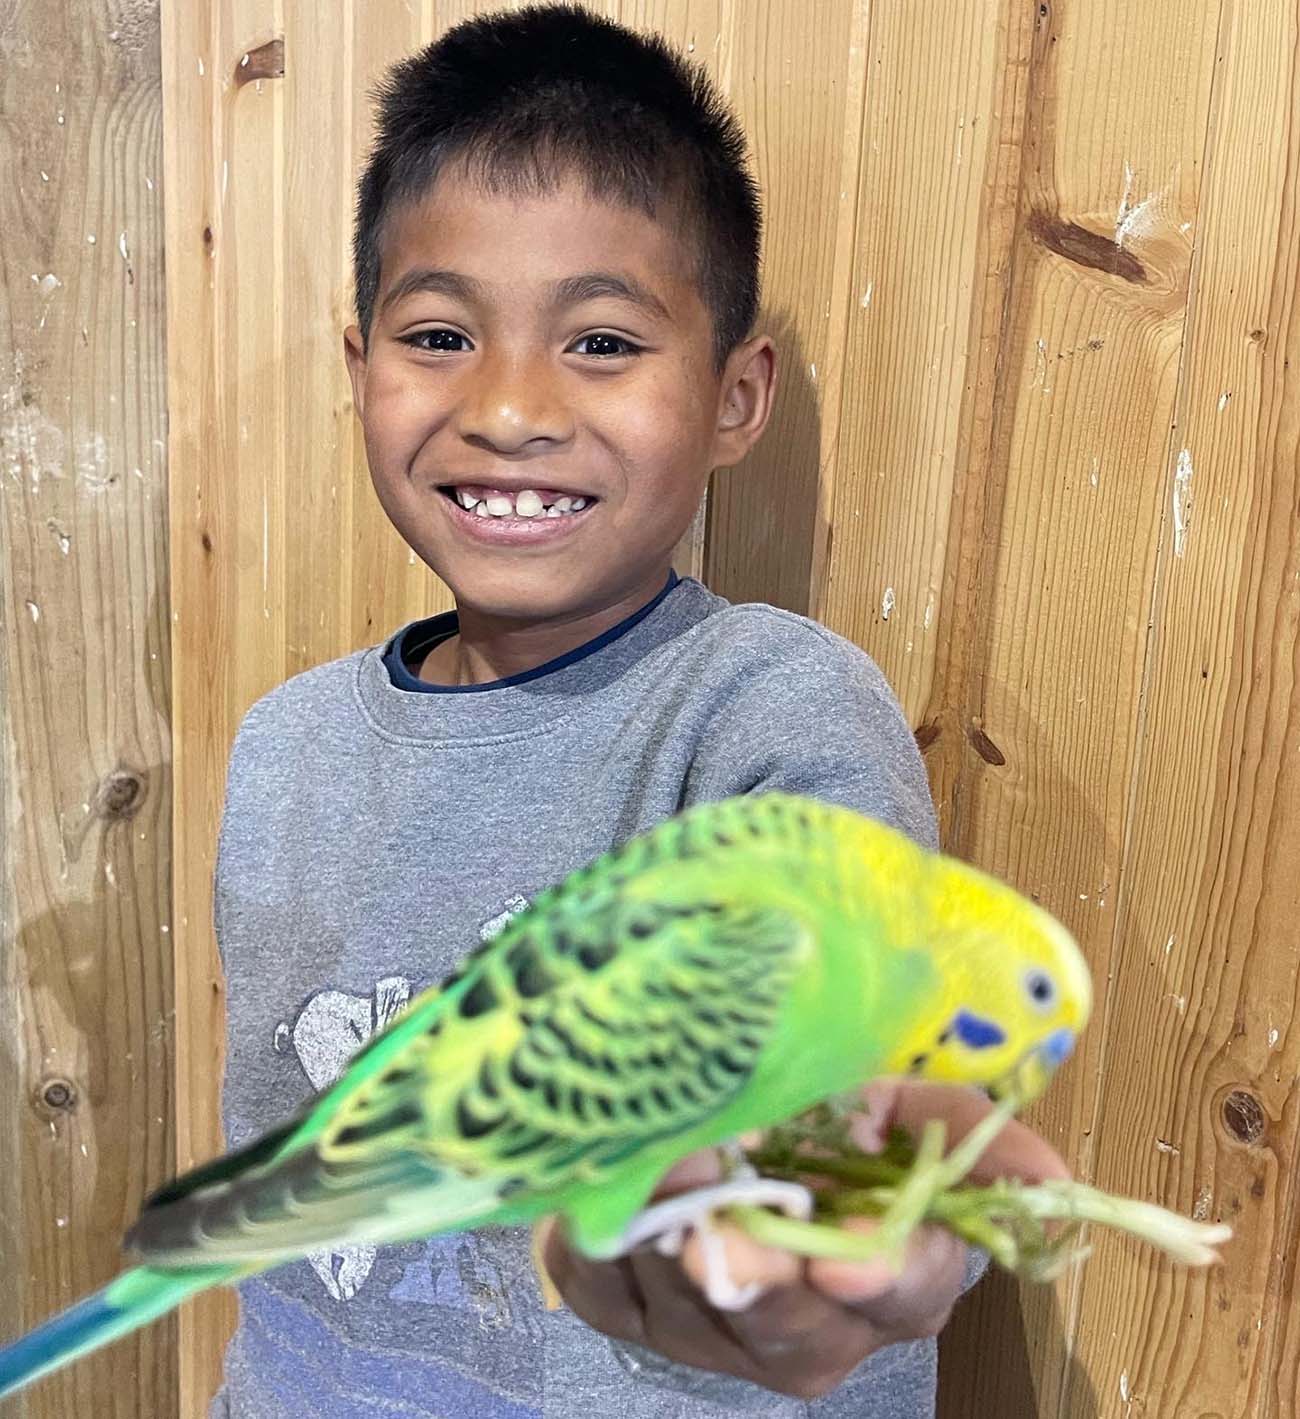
(540, 401)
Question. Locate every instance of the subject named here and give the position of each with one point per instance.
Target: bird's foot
(667, 1224)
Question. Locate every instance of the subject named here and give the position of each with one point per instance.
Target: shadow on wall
(999, 1331)
(764, 519)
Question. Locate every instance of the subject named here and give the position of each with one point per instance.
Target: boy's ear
(354, 353)
(747, 390)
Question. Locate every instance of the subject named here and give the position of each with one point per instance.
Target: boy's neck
(488, 648)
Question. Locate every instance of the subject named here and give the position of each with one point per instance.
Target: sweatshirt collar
(526, 704)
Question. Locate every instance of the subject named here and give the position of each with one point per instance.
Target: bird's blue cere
(977, 1032)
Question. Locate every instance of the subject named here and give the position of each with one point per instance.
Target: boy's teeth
(527, 503)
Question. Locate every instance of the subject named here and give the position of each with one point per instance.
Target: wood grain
(799, 105)
(86, 1095)
(1206, 964)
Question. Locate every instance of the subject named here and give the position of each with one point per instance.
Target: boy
(556, 270)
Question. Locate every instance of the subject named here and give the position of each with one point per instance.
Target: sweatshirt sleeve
(816, 716)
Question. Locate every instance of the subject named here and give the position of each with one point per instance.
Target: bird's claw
(666, 1224)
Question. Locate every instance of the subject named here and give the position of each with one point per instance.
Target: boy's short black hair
(523, 99)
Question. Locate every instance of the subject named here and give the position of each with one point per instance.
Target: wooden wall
(86, 1087)
(1032, 267)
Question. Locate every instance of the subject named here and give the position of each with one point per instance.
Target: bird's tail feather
(125, 1304)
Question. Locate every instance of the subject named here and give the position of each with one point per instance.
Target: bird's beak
(1030, 1078)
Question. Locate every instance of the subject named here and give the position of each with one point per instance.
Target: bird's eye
(1041, 988)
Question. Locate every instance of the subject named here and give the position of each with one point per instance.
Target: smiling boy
(539, 392)
(557, 276)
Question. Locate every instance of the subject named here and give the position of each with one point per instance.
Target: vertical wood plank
(800, 103)
(220, 570)
(1206, 967)
(931, 127)
(1035, 711)
(86, 1014)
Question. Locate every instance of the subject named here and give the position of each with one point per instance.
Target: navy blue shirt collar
(411, 644)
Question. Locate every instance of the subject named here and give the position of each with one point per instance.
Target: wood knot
(1244, 1117)
(927, 733)
(985, 747)
(1095, 250)
(264, 62)
(120, 795)
(57, 1095)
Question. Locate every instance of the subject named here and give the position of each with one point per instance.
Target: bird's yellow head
(1013, 991)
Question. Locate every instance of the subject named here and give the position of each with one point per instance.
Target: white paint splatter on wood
(92, 464)
(867, 294)
(1138, 220)
(1040, 365)
(31, 443)
(1124, 199)
(1182, 501)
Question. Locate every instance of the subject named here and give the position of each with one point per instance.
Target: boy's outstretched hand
(818, 1320)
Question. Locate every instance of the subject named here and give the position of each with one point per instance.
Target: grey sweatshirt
(376, 828)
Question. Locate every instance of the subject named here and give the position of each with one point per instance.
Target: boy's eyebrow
(571, 290)
(593, 284)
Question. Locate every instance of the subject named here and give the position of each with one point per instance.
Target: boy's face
(556, 346)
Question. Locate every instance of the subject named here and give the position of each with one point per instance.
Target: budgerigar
(719, 974)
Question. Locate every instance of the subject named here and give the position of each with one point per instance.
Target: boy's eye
(605, 346)
(441, 341)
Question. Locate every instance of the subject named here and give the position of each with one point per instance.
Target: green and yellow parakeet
(717, 975)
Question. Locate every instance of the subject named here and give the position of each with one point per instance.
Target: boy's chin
(531, 600)
(524, 601)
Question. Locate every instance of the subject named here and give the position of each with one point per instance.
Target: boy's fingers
(601, 1293)
(748, 1263)
(1016, 1151)
(927, 1283)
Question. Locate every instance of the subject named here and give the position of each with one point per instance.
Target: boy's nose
(512, 406)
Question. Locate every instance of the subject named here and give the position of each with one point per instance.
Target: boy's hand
(818, 1319)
